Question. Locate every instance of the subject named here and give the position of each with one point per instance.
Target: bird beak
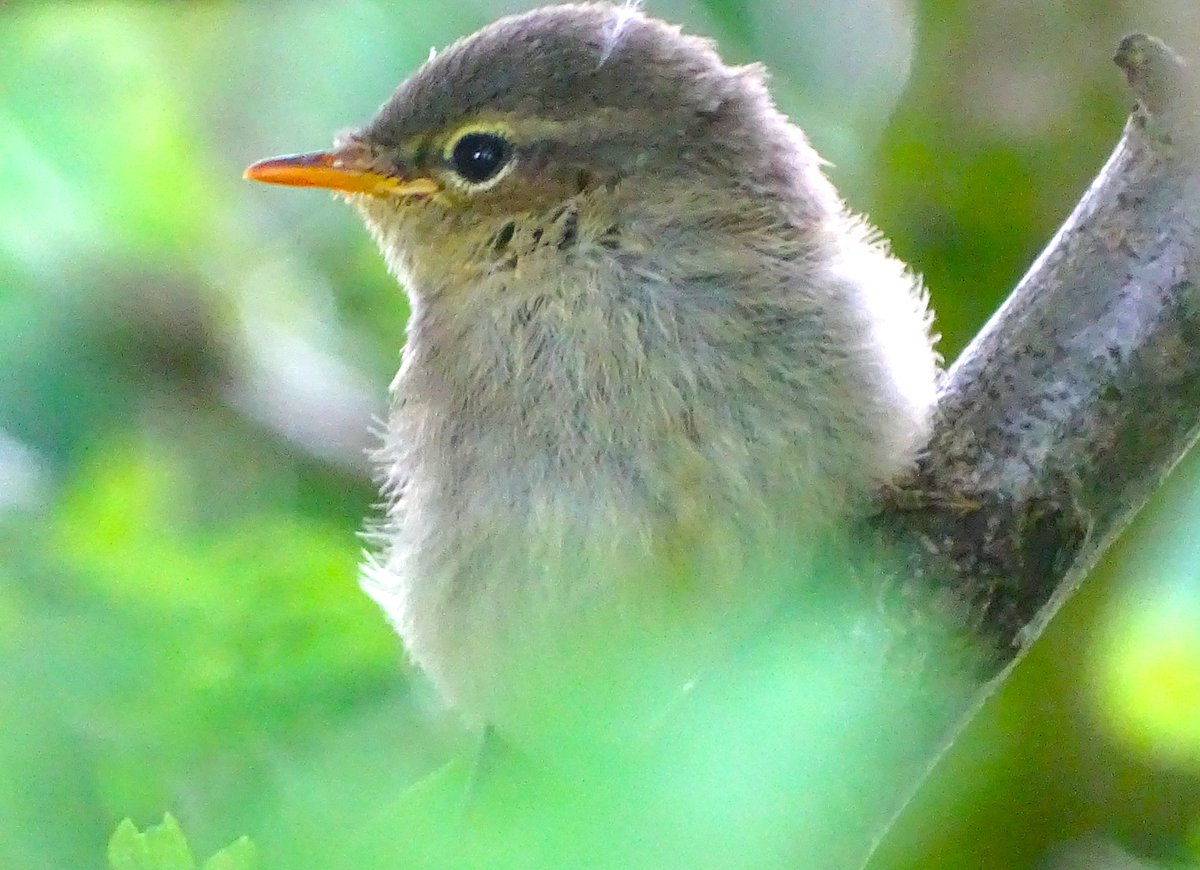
(343, 171)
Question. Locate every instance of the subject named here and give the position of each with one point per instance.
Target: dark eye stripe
(479, 156)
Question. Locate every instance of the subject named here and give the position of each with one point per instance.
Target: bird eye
(477, 157)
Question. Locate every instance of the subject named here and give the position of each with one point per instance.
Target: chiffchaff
(652, 362)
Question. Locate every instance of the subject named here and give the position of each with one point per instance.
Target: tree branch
(1082, 392)
(1070, 407)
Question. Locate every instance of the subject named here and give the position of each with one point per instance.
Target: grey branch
(1073, 403)
(1082, 392)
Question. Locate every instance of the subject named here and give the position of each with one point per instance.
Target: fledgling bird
(652, 359)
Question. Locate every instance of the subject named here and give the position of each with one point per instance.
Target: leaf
(162, 847)
(241, 854)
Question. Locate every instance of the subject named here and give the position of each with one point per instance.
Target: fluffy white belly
(581, 612)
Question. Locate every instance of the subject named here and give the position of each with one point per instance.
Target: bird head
(571, 127)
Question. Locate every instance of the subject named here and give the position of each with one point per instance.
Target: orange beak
(343, 172)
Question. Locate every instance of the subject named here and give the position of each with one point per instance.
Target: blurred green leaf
(159, 847)
(164, 847)
(238, 855)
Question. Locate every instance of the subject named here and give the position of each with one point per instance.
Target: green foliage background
(189, 366)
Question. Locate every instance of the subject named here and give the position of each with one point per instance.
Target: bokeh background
(190, 367)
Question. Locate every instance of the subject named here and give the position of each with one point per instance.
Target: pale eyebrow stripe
(581, 129)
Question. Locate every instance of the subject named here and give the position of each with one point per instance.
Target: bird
(653, 363)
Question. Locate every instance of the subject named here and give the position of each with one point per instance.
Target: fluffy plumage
(647, 369)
